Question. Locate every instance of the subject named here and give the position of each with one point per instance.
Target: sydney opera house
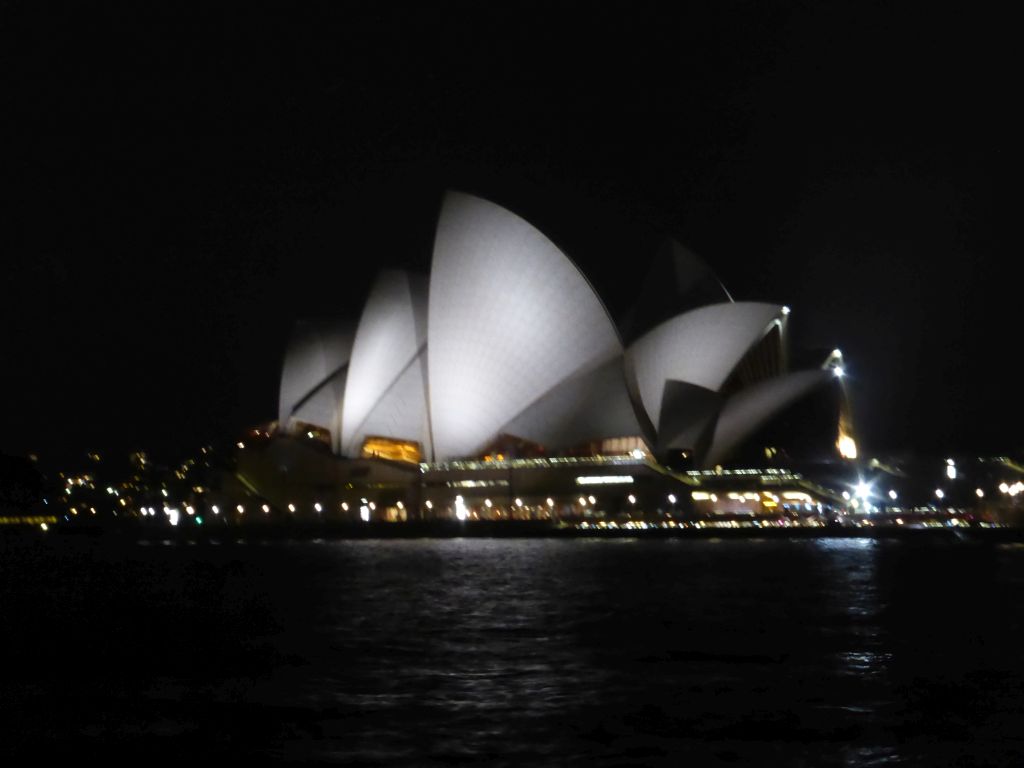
(501, 382)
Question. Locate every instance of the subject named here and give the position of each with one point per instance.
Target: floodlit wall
(700, 347)
(401, 411)
(590, 405)
(317, 352)
(391, 337)
(510, 317)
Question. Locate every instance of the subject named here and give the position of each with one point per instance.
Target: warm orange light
(392, 450)
(847, 446)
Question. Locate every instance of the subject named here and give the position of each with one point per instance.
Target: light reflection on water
(577, 652)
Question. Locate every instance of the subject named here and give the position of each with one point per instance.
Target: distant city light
(266, 509)
(846, 495)
(241, 445)
(939, 493)
(591, 499)
(979, 493)
(892, 495)
(216, 509)
(519, 502)
(461, 513)
(671, 498)
(950, 469)
(364, 513)
(291, 507)
(241, 509)
(838, 371)
(487, 503)
(344, 506)
(550, 502)
(632, 498)
(863, 490)
(318, 507)
(583, 501)
(429, 504)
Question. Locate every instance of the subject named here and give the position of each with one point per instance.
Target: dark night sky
(180, 185)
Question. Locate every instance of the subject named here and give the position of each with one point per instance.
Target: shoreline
(499, 530)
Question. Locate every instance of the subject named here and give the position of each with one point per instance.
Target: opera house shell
(506, 343)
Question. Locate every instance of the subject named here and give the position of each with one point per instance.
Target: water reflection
(848, 652)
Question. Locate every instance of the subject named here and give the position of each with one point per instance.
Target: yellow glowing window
(393, 450)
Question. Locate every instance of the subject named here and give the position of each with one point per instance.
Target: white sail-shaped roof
(590, 405)
(747, 411)
(687, 414)
(510, 317)
(401, 411)
(391, 336)
(700, 347)
(323, 406)
(317, 352)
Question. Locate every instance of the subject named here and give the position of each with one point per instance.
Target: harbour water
(516, 652)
